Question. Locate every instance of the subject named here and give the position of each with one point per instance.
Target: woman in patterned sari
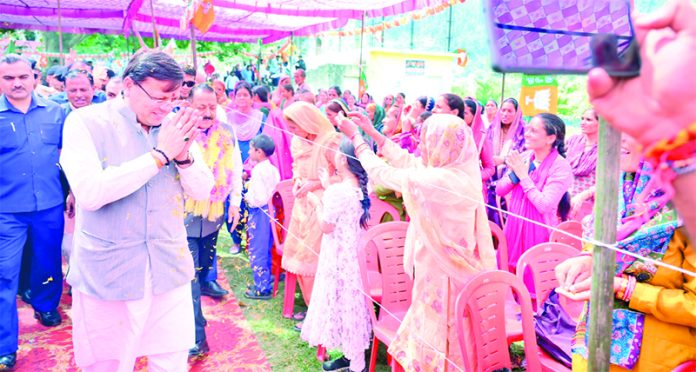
(654, 316)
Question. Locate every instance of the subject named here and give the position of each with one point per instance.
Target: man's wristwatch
(189, 160)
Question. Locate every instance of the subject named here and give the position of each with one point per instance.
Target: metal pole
(60, 36)
(449, 30)
(360, 70)
(155, 34)
(604, 260)
(193, 48)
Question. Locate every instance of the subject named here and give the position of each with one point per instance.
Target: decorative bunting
(413, 16)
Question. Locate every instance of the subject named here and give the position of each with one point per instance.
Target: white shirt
(97, 186)
(264, 179)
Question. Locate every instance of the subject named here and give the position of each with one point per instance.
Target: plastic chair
(571, 227)
(379, 208)
(500, 244)
(482, 303)
(282, 196)
(688, 366)
(389, 238)
(542, 260)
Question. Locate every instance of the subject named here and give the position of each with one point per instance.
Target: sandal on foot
(299, 316)
(298, 327)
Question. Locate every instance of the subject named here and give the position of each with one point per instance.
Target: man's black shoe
(7, 361)
(201, 348)
(212, 289)
(26, 296)
(48, 318)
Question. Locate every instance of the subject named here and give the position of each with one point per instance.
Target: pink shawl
(276, 127)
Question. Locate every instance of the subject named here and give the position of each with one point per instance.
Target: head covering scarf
(311, 120)
(645, 227)
(246, 125)
(514, 134)
(478, 128)
(379, 116)
(217, 145)
(444, 200)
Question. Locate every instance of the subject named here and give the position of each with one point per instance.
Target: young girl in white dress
(338, 316)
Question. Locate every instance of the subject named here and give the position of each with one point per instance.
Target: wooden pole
(360, 69)
(604, 260)
(502, 90)
(155, 34)
(193, 48)
(291, 56)
(60, 36)
(449, 30)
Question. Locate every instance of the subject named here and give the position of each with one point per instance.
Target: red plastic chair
(482, 303)
(379, 208)
(542, 260)
(389, 238)
(284, 198)
(571, 227)
(500, 244)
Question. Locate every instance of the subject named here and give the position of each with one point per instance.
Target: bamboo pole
(193, 48)
(449, 30)
(155, 34)
(604, 260)
(60, 36)
(360, 69)
(502, 91)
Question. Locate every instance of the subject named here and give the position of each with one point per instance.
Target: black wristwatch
(189, 160)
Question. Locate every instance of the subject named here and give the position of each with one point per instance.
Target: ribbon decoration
(413, 16)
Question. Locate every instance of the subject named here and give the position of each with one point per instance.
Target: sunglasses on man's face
(189, 84)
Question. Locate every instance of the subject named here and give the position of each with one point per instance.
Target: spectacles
(168, 102)
(189, 84)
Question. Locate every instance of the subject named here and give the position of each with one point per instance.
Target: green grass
(282, 345)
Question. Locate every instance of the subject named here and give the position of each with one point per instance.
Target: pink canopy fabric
(235, 20)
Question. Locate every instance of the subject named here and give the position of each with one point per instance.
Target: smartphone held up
(562, 36)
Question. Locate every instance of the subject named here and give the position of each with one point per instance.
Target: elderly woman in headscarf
(313, 147)
(448, 238)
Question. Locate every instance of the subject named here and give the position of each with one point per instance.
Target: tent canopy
(235, 20)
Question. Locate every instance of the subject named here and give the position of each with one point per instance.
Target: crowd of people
(150, 165)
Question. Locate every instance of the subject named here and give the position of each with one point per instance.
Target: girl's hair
(338, 105)
(513, 101)
(289, 88)
(357, 169)
(242, 85)
(555, 126)
(494, 102)
(455, 103)
(472, 105)
(425, 115)
(336, 89)
(262, 92)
